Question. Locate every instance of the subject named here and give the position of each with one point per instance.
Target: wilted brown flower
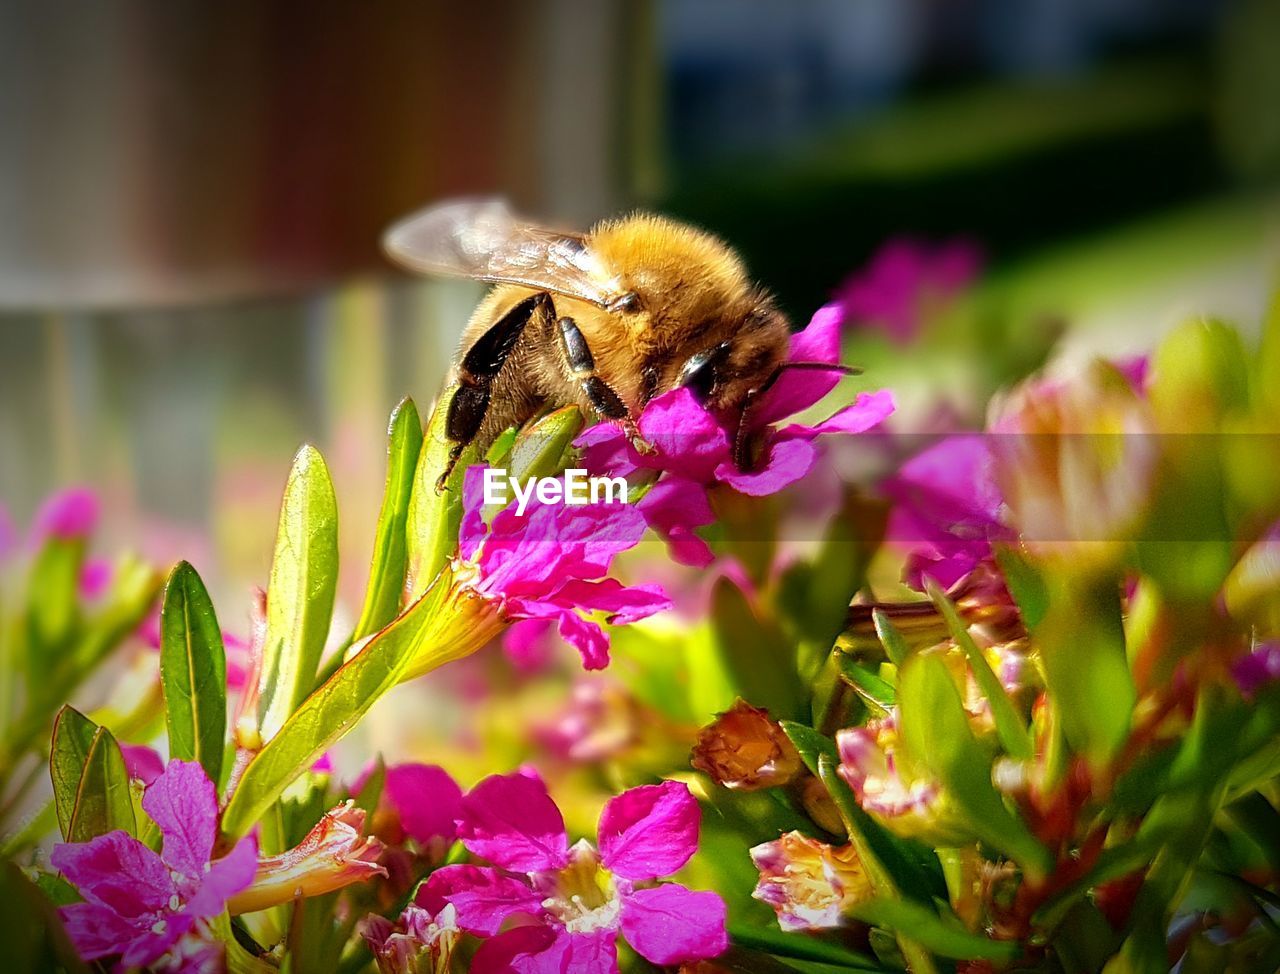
(334, 854)
(745, 749)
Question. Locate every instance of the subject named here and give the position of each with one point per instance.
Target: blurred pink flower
(694, 450)
(905, 281)
(552, 563)
(530, 645)
(138, 904)
(425, 801)
(580, 896)
(947, 510)
(95, 577)
(68, 515)
(1259, 668)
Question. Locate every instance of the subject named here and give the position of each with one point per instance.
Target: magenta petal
(484, 898)
(869, 410)
(116, 871)
(512, 821)
(544, 950)
(97, 930)
(688, 439)
(529, 644)
(154, 944)
(582, 634)
(625, 604)
(819, 341)
(795, 390)
(427, 799)
(649, 831)
(472, 529)
(142, 763)
(673, 925)
(183, 803)
(789, 460)
(674, 507)
(226, 877)
(606, 450)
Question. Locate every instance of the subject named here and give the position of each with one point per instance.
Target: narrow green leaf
(193, 672)
(877, 692)
(880, 868)
(935, 733)
(1258, 819)
(801, 947)
(390, 544)
(53, 611)
(304, 577)
(895, 646)
(333, 709)
(434, 515)
(923, 925)
(1025, 585)
(90, 783)
(811, 744)
(1010, 727)
(755, 653)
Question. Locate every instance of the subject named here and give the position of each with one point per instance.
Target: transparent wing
(485, 241)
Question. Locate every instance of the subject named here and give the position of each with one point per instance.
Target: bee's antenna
(754, 396)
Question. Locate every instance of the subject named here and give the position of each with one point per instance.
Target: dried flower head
(745, 749)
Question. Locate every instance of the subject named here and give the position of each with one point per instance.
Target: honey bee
(606, 319)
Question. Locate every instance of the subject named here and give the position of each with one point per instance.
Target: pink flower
(530, 645)
(577, 899)
(67, 515)
(947, 510)
(139, 905)
(809, 884)
(694, 450)
(552, 563)
(905, 281)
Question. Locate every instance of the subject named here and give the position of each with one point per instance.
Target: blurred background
(191, 196)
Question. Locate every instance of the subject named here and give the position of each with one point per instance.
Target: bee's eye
(702, 371)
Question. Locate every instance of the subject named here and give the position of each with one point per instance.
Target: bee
(607, 319)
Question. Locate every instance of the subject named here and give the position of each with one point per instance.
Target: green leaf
(370, 792)
(90, 783)
(304, 577)
(334, 708)
(1025, 585)
(1082, 649)
(877, 692)
(434, 515)
(935, 733)
(927, 928)
(895, 646)
(390, 543)
(1010, 727)
(801, 947)
(193, 672)
(53, 601)
(759, 659)
(812, 745)
(30, 928)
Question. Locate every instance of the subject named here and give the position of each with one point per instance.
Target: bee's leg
(582, 367)
(477, 370)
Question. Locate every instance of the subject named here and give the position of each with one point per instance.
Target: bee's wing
(485, 241)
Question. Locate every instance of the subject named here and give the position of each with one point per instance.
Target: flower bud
(809, 884)
(745, 749)
(418, 943)
(334, 854)
(908, 805)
